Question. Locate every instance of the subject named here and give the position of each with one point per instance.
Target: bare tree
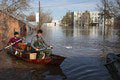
(11, 8)
(111, 8)
(67, 20)
(45, 17)
(31, 17)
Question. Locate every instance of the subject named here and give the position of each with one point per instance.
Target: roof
(33, 23)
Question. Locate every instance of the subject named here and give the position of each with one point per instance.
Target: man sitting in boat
(15, 39)
(40, 46)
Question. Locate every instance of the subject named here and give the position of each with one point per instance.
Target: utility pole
(104, 20)
(39, 15)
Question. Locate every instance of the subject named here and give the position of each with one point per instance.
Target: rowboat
(113, 65)
(51, 60)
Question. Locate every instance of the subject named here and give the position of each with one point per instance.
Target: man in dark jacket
(15, 39)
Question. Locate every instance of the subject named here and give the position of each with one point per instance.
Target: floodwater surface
(83, 50)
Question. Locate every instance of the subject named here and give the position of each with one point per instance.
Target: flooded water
(83, 50)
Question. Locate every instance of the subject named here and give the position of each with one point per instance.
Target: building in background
(37, 17)
(94, 16)
(47, 22)
(109, 20)
(82, 19)
(53, 23)
(86, 19)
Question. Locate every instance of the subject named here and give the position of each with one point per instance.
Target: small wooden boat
(53, 59)
(113, 65)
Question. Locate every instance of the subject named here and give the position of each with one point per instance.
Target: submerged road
(83, 50)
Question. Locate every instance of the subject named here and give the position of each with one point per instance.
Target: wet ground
(84, 51)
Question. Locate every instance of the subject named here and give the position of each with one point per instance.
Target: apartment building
(91, 18)
(86, 18)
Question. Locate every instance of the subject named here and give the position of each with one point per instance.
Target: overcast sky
(58, 8)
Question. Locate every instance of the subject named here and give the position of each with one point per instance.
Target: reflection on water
(31, 74)
(13, 69)
(52, 73)
(81, 48)
(92, 32)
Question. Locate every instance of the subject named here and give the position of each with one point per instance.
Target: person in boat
(15, 39)
(39, 45)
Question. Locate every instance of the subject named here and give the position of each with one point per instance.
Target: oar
(10, 45)
(46, 48)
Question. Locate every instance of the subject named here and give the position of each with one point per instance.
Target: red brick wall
(13, 25)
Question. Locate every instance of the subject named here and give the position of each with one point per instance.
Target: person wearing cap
(14, 39)
(38, 43)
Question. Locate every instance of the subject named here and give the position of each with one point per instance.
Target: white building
(93, 17)
(76, 16)
(37, 17)
(53, 23)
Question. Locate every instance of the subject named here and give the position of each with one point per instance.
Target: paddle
(10, 45)
(51, 47)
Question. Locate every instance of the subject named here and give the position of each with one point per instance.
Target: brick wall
(12, 25)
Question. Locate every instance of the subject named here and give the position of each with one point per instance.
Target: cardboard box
(31, 56)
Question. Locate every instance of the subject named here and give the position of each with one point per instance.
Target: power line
(60, 5)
